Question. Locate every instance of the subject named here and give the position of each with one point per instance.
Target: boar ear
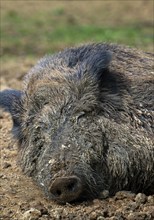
(10, 101)
(98, 61)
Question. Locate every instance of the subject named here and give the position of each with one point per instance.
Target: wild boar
(84, 122)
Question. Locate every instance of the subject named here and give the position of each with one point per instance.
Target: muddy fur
(87, 112)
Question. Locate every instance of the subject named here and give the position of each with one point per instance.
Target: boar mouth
(66, 189)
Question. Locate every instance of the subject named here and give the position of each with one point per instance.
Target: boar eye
(79, 116)
(46, 103)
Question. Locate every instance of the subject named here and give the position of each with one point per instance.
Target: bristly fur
(88, 112)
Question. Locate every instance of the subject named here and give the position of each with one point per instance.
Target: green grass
(40, 33)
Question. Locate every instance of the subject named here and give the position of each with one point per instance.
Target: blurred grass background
(34, 28)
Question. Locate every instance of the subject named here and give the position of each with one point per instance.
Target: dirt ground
(21, 199)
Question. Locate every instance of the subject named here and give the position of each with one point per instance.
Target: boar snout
(66, 189)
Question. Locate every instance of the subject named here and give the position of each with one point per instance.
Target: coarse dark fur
(87, 113)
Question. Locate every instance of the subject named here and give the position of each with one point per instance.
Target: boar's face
(56, 121)
(65, 149)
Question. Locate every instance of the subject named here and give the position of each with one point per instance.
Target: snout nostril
(58, 192)
(71, 186)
